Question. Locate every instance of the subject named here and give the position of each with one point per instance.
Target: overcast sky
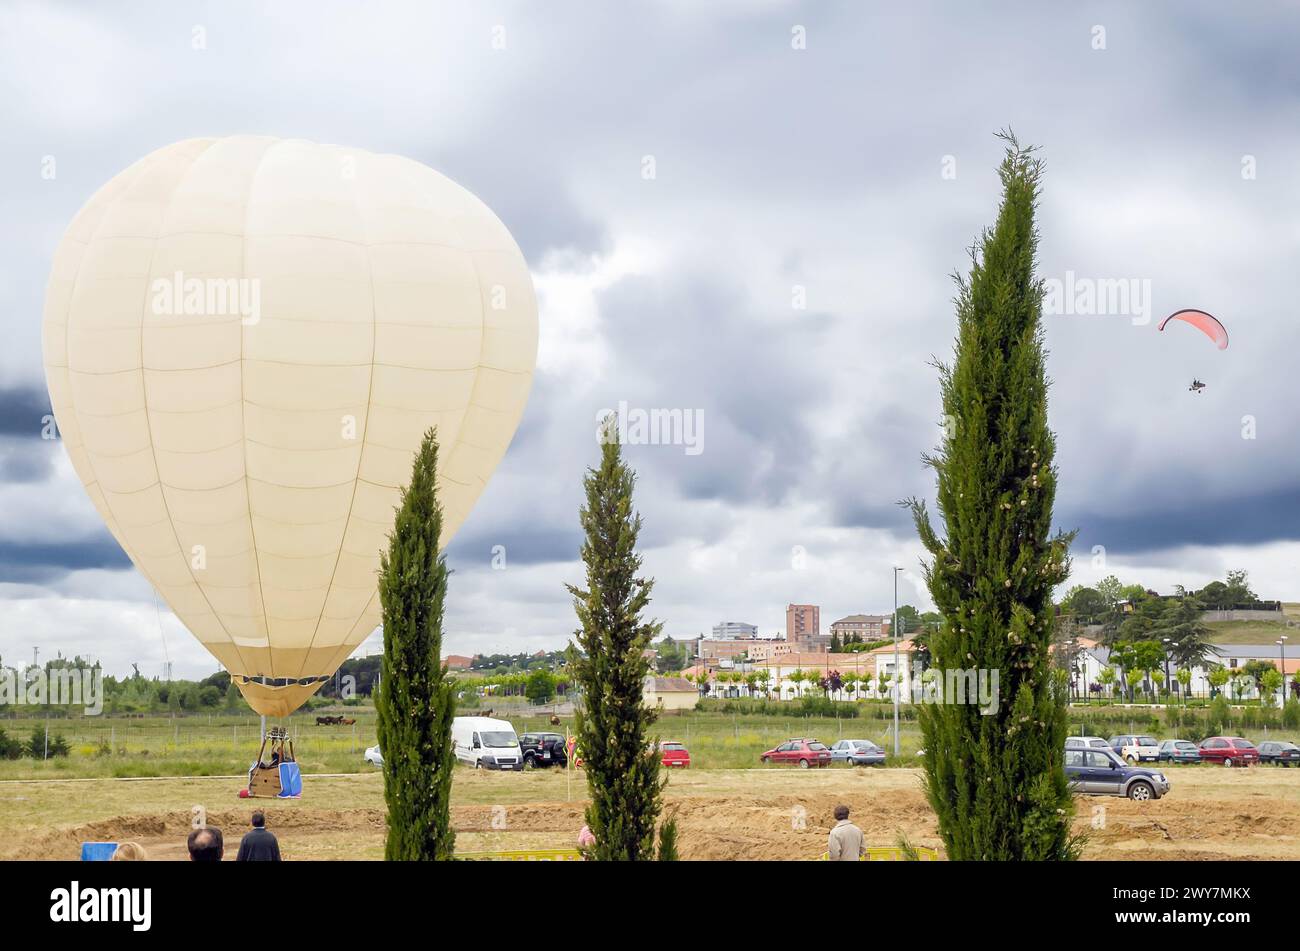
(859, 168)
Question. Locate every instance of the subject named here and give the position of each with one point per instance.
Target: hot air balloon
(244, 340)
(1207, 324)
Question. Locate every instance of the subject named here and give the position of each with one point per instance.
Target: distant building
(712, 649)
(734, 630)
(861, 627)
(768, 649)
(803, 626)
(812, 664)
(670, 693)
(458, 661)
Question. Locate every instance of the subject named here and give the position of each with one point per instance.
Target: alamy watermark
(181, 296)
(60, 687)
(1098, 297)
(633, 426)
(973, 686)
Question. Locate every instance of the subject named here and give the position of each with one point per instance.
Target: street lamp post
(1169, 685)
(1281, 643)
(897, 681)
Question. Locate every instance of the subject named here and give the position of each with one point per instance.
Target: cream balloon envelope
(245, 339)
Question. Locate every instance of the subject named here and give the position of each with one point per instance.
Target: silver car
(857, 753)
(373, 755)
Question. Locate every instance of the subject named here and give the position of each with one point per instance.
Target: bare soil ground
(723, 814)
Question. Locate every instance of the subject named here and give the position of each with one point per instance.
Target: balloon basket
(275, 775)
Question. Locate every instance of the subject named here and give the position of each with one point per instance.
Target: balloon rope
(163, 634)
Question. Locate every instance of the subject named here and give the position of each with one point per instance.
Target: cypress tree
(668, 840)
(416, 703)
(997, 782)
(610, 667)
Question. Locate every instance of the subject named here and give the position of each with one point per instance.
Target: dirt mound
(722, 815)
(167, 831)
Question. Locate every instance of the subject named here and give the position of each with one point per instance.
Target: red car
(674, 753)
(806, 753)
(1228, 750)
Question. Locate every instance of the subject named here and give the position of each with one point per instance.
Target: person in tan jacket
(845, 838)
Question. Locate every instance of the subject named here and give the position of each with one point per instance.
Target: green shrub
(1291, 714)
(9, 747)
(803, 707)
(35, 745)
(1219, 720)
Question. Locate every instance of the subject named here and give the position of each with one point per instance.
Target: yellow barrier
(524, 855)
(888, 853)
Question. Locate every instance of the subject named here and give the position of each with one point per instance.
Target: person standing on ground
(259, 844)
(845, 839)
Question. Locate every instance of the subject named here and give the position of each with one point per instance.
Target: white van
(486, 743)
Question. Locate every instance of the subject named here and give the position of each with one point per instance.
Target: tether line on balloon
(167, 658)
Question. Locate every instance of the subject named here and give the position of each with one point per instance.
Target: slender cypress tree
(610, 667)
(668, 839)
(416, 702)
(997, 782)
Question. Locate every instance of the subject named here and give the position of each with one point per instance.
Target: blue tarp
(97, 851)
(290, 781)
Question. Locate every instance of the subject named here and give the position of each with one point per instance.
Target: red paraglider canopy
(1207, 324)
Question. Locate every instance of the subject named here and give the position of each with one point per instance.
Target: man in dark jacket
(259, 845)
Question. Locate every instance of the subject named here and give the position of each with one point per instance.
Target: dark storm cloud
(23, 410)
(25, 460)
(1174, 520)
(522, 546)
(43, 562)
(695, 344)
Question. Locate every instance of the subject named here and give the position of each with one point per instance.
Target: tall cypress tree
(997, 782)
(416, 702)
(610, 667)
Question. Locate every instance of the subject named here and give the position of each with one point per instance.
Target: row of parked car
(486, 743)
(1135, 748)
(1093, 764)
(807, 753)
(1114, 767)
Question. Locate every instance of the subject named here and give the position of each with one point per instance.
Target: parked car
(1279, 753)
(857, 753)
(373, 755)
(1100, 772)
(1091, 742)
(1178, 751)
(805, 752)
(674, 754)
(543, 749)
(1136, 747)
(1228, 750)
(485, 743)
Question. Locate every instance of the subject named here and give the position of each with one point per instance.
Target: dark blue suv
(1099, 772)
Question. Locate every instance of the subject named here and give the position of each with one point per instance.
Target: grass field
(1249, 632)
(225, 744)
